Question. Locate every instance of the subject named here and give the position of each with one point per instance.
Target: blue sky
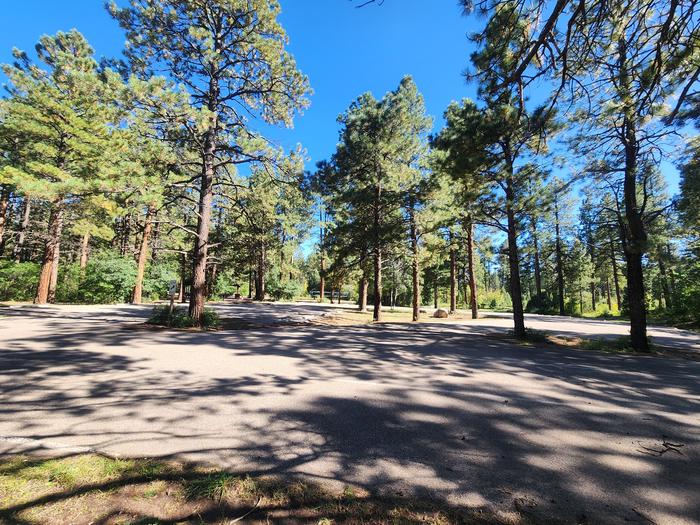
(345, 51)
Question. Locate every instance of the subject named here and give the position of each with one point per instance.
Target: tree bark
(143, 256)
(206, 196)
(84, 248)
(559, 258)
(260, 276)
(377, 314)
(183, 277)
(18, 252)
(363, 293)
(453, 277)
(51, 253)
(536, 247)
(126, 234)
(634, 230)
(634, 246)
(664, 281)
(616, 279)
(4, 204)
(415, 263)
(53, 281)
(470, 270)
(514, 262)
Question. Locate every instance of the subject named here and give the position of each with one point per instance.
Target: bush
(541, 304)
(18, 281)
(157, 279)
(224, 285)
(181, 318)
(286, 291)
(495, 301)
(108, 279)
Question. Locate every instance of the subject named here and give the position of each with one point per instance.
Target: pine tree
(229, 55)
(57, 121)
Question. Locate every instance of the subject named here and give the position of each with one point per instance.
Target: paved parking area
(431, 409)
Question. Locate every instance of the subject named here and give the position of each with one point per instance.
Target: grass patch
(180, 318)
(619, 345)
(93, 489)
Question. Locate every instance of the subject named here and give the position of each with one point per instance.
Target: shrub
(286, 291)
(494, 300)
(18, 281)
(108, 279)
(157, 279)
(181, 319)
(541, 304)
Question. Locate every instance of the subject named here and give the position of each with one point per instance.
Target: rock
(441, 314)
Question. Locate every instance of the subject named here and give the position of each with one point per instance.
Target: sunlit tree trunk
(51, 252)
(84, 248)
(377, 314)
(470, 270)
(4, 204)
(143, 256)
(559, 258)
(415, 263)
(453, 277)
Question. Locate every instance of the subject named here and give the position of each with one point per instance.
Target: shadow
(430, 411)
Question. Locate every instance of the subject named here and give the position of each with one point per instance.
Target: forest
(545, 194)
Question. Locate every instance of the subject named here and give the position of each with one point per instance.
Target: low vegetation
(88, 489)
(180, 318)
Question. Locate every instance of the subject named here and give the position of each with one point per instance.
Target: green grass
(619, 345)
(95, 489)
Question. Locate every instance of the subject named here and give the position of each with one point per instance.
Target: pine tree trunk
(514, 263)
(4, 204)
(538, 269)
(635, 234)
(363, 293)
(53, 282)
(607, 290)
(49, 260)
(664, 282)
(377, 314)
(634, 247)
(262, 268)
(322, 285)
(155, 243)
(198, 290)
(616, 279)
(84, 248)
(453, 278)
(560, 260)
(143, 256)
(415, 264)
(470, 269)
(436, 293)
(18, 252)
(206, 197)
(126, 235)
(183, 277)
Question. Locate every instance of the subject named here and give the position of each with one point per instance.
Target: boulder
(441, 314)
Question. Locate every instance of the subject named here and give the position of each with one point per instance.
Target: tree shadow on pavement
(428, 411)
